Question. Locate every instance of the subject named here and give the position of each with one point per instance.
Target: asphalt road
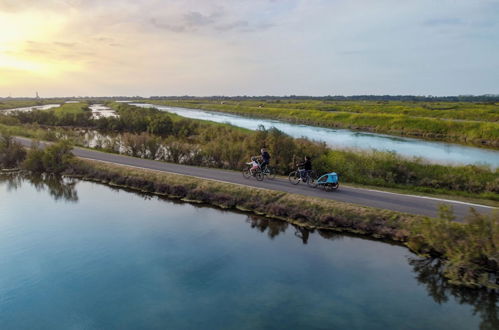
(385, 200)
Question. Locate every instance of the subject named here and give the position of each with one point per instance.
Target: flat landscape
(188, 164)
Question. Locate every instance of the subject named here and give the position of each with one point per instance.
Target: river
(440, 152)
(36, 107)
(80, 255)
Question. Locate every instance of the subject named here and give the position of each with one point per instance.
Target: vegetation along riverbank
(469, 251)
(473, 123)
(153, 134)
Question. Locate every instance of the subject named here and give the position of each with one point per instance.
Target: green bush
(471, 249)
(55, 158)
(11, 152)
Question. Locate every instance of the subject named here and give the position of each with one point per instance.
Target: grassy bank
(466, 123)
(71, 109)
(469, 251)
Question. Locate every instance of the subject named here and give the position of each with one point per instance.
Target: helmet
(253, 158)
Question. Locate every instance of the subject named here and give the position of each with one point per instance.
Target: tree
(57, 157)
(160, 125)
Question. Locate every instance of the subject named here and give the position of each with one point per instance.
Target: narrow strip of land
(421, 205)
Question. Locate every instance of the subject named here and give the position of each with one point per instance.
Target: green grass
(473, 111)
(70, 109)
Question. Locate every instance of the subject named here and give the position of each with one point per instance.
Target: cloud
(220, 20)
(64, 44)
(195, 19)
(157, 23)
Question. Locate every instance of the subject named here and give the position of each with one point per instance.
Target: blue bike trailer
(328, 178)
(328, 181)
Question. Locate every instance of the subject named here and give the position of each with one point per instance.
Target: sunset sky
(248, 47)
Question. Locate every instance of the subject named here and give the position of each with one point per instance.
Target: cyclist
(265, 158)
(305, 168)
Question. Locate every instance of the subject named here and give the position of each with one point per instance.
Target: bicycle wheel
(311, 180)
(259, 175)
(271, 173)
(331, 186)
(294, 177)
(246, 173)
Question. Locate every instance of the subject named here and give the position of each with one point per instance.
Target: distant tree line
(406, 98)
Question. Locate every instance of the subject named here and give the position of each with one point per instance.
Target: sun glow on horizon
(19, 33)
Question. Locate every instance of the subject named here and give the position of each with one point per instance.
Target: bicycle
(269, 172)
(310, 177)
(257, 174)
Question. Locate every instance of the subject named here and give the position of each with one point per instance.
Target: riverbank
(477, 267)
(432, 124)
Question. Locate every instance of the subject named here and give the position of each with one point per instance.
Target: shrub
(55, 158)
(471, 249)
(12, 153)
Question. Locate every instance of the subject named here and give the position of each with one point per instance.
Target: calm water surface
(435, 151)
(84, 256)
(37, 107)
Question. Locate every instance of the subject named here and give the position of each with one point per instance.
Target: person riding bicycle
(265, 158)
(254, 165)
(305, 168)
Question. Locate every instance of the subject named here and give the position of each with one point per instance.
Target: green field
(70, 109)
(471, 123)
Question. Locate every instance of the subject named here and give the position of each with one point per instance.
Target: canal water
(80, 255)
(25, 109)
(440, 152)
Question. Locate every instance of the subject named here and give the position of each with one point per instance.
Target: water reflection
(428, 272)
(272, 227)
(58, 187)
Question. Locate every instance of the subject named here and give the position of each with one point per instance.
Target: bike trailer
(329, 181)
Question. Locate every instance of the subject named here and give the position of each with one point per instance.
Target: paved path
(368, 197)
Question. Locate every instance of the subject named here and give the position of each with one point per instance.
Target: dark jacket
(266, 156)
(307, 165)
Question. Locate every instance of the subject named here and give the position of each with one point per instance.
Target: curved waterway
(440, 152)
(80, 255)
(36, 107)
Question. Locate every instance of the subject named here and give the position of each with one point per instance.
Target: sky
(248, 47)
